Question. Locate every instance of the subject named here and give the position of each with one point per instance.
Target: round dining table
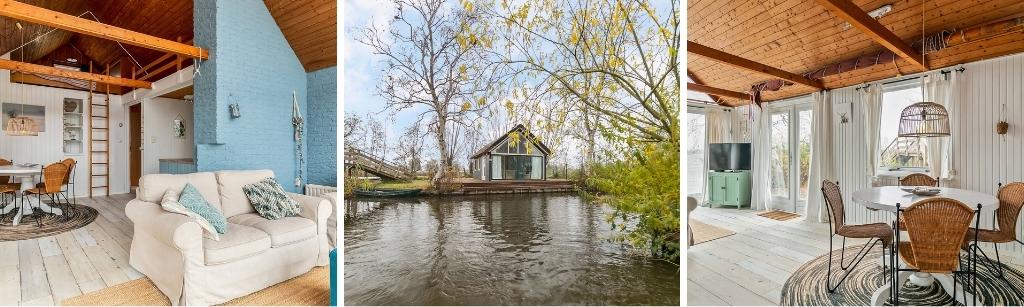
(886, 198)
(26, 175)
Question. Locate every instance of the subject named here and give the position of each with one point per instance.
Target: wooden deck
(474, 186)
(46, 270)
(750, 267)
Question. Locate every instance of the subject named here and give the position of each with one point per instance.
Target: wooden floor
(750, 267)
(46, 270)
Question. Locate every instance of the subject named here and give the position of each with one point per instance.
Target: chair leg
(848, 269)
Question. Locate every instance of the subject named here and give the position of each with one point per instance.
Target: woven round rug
(806, 286)
(45, 224)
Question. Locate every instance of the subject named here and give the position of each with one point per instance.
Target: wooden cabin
(516, 155)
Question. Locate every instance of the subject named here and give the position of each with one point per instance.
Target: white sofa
(255, 253)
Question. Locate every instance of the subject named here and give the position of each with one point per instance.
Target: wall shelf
(73, 124)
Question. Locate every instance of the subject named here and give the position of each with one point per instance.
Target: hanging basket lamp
(924, 119)
(21, 126)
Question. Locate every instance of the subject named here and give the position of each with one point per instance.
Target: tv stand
(729, 188)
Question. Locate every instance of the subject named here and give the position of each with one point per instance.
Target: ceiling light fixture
(876, 14)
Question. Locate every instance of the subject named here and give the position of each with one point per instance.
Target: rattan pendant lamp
(924, 119)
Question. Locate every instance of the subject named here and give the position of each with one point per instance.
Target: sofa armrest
(172, 229)
(314, 208)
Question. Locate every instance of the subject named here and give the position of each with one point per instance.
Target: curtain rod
(695, 103)
(945, 73)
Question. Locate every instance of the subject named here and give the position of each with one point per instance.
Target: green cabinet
(729, 189)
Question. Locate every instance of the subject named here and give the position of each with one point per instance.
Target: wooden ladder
(99, 142)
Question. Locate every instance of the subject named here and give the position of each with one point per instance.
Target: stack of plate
(922, 190)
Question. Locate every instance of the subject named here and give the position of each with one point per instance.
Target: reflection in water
(534, 249)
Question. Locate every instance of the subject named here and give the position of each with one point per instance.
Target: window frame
(898, 171)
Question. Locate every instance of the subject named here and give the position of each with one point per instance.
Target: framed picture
(34, 112)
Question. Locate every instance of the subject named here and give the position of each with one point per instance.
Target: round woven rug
(807, 285)
(44, 224)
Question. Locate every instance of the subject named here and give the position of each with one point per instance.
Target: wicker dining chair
(918, 179)
(6, 187)
(876, 232)
(936, 228)
(53, 179)
(1011, 199)
(6, 180)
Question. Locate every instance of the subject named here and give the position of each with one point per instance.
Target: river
(515, 249)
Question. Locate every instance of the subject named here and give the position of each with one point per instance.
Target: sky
(363, 68)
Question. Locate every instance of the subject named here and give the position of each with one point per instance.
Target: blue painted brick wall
(322, 129)
(250, 64)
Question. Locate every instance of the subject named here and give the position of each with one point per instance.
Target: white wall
(983, 157)
(47, 147)
(159, 141)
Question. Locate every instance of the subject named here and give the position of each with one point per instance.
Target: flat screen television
(729, 156)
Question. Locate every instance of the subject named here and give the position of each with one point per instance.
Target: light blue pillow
(193, 200)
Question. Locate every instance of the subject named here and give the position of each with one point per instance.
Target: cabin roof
(529, 136)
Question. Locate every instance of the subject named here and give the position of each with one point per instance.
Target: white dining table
(886, 199)
(26, 175)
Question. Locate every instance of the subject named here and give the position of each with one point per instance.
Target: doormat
(704, 233)
(779, 215)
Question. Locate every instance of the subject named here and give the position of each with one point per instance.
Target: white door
(790, 156)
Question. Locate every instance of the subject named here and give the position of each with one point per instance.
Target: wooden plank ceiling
(800, 36)
(168, 19)
(311, 28)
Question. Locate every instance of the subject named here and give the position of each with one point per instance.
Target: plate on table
(926, 191)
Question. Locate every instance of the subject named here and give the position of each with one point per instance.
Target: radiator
(319, 190)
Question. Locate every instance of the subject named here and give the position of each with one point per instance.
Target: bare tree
(436, 65)
(410, 148)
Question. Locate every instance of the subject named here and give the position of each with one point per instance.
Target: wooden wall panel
(982, 158)
(311, 28)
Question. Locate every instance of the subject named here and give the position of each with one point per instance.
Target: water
(533, 249)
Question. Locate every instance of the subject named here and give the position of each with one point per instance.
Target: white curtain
(719, 125)
(760, 135)
(822, 155)
(871, 112)
(936, 88)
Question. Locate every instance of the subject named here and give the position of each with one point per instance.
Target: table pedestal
(924, 279)
(31, 202)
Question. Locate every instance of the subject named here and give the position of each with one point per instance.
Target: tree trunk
(590, 131)
(444, 161)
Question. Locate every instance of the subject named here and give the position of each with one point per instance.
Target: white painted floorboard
(750, 267)
(46, 270)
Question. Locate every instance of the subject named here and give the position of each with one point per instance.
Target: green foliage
(644, 190)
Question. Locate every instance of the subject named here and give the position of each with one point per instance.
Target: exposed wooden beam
(33, 14)
(716, 91)
(865, 23)
(737, 61)
(717, 99)
(51, 71)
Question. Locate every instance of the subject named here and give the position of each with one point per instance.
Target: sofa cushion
(282, 231)
(239, 243)
(152, 187)
(269, 200)
(232, 198)
(193, 200)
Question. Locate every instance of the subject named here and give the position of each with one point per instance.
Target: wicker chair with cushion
(918, 179)
(876, 232)
(53, 179)
(936, 228)
(1011, 199)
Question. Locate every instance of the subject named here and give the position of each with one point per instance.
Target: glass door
(790, 157)
(696, 175)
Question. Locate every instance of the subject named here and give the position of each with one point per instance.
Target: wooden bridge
(355, 158)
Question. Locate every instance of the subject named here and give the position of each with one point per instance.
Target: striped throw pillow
(193, 200)
(269, 200)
